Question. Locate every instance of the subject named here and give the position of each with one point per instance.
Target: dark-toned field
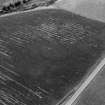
(45, 54)
(10, 6)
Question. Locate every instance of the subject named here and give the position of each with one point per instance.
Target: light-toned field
(94, 9)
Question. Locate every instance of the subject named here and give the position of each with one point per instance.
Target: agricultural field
(8, 6)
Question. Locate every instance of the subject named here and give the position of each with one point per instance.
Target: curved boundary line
(26, 11)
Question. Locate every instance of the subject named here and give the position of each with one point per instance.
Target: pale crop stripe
(86, 83)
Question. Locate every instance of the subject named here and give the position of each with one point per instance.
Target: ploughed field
(8, 6)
